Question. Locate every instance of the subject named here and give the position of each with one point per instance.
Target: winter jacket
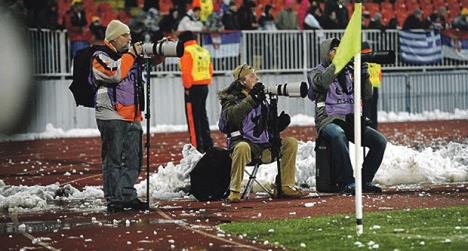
(190, 23)
(118, 96)
(325, 86)
(287, 19)
(241, 113)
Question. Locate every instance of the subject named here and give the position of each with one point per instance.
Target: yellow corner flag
(350, 44)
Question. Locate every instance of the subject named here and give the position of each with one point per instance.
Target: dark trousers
(370, 108)
(339, 147)
(121, 158)
(197, 120)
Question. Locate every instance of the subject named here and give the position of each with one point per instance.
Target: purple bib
(339, 100)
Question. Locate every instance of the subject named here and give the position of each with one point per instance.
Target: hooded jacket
(237, 105)
(322, 78)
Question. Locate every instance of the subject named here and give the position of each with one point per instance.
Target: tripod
(147, 68)
(275, 139)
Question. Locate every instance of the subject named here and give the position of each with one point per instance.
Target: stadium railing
(269, 52)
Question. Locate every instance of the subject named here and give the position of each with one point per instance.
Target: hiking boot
(234, 197)
(349, 189)
(289, 192)
(369, 187)
(136, 204)
(115, 206)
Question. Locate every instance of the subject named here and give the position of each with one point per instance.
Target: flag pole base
(359, 227)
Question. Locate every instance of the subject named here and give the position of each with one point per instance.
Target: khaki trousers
(242, 155)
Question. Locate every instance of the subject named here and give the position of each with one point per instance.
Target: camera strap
(136, 52)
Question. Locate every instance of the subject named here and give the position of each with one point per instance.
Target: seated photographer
(245, 118)
(118, 107)
(334, 100)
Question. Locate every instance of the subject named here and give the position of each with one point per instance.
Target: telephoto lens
(164, 47)
(293, 89)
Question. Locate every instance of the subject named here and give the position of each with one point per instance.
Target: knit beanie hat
(116, 29)
(241, 71)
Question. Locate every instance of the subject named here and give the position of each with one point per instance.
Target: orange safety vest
(195, 65)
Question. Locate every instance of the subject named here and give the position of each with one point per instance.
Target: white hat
(116, 29)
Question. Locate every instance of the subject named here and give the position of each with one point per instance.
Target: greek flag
(420, 47)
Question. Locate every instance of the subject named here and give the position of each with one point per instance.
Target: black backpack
(83, 87)
(209, 179)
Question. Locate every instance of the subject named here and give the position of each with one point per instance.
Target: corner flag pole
(357, 134)
(357, 143)
(350, 46)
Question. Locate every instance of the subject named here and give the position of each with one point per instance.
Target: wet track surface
(184, 223)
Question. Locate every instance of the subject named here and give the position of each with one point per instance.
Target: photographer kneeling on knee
(244, 117)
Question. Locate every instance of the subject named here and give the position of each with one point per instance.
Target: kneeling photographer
(245, 120)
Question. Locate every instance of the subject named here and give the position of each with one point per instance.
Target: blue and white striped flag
(420, 47)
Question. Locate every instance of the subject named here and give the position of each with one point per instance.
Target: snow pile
(36, 198)
(172, 180)
(401, 165)
(432, 115)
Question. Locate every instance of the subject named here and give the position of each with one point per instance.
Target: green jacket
(236, 105)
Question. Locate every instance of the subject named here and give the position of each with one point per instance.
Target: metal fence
(279, 51)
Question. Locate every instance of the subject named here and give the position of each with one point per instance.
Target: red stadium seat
(453, 3)
(400, 6)
(427, 10)
(165, 6)
(422, 3)
(454, 10)
(372, 8)
(386, 6)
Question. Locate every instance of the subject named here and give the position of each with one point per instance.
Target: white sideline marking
(164, 215)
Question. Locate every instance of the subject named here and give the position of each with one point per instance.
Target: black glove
(364, 71)
(258, 93)
(283, 121)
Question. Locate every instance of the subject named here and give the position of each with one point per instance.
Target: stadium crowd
(85, 20)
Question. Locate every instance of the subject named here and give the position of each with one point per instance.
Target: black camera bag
(325, 172)
(209, 179)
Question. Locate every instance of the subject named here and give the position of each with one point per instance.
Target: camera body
(164, 47)
(379, 57)
(293, 89)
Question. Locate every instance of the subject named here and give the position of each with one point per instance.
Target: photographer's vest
(253, 129)
(126, 97)
(339, 99)
(196, 65)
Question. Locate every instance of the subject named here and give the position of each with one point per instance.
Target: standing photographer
(245, 117)
(119, 99)
(334, 100)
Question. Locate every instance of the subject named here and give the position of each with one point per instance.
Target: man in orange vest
(197, 72)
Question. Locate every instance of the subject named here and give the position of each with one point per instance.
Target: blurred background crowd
(86, 20)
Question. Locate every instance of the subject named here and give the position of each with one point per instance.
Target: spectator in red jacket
(75, 23)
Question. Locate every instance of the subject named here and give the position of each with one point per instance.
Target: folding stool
(252, 178)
